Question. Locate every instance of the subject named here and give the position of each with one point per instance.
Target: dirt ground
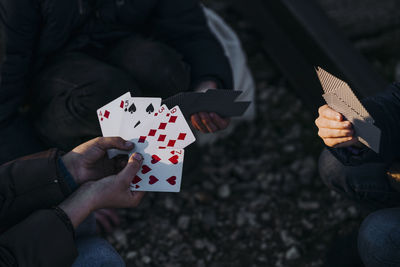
(253, 199)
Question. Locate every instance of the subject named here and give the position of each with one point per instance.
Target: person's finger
(326, 112)
(103, 222)
(334, 142)
(136, 198)
(206, 120)
(130, 170)
(322, 122)
(112, 216)
(335, 133)
(221, 123)
(106, 143)
(196, 121)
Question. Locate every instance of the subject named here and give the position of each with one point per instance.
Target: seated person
(45, 197)
(360, 174)
(67, 58)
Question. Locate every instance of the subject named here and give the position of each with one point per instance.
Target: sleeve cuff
(354, 156)
(66, 175)
(219, 83)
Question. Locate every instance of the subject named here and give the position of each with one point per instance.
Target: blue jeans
(94, 251)
(379, 238)
(368, 186)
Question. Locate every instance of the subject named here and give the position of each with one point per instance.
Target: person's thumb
(130, 170)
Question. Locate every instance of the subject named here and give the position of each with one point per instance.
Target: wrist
(94, 197)
(90, 190)
(80, 204)
(205, 85)
(71, 168)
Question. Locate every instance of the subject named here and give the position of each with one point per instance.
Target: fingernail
(338, 117)
(138, 156)
(128, 144)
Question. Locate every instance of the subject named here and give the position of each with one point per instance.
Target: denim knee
(96, 252)
(379, 238)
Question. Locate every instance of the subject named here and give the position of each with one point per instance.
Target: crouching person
(44, 198)
(366, 177)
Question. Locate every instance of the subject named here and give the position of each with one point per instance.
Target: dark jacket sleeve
(183, 26)
(20, 20)
(385, 109)
(42, 239)
(29, 184)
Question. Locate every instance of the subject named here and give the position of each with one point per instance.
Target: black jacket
(31, 233)
(385, 109)
(38, 29)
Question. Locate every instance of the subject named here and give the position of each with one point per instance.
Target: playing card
(169, 129)
(367, 133)
(161, 171)
(330, 83)
(222, 102)
(110, 115)
(185, 101)
(136, 114)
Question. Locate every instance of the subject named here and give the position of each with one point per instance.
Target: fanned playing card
(159, 134)
(137, 113)
(222, 102)
(161, 171)
(339, 96)
(330, 83)
(110, 115)
(367, 133)
(168, 129)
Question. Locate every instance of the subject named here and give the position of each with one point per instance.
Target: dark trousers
(368, 186)
(74, 85)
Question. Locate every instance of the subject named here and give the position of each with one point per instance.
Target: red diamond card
(159, 134)
(169, 129)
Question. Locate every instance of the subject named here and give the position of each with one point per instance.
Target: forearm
(29, 184)
(80, 204)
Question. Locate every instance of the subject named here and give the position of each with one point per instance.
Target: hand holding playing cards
(334, 130)
(109, 192)
(114, 191)
(89, 161)
(208, 122)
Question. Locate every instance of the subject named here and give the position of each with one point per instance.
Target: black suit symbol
(132, 108)
(150, 109)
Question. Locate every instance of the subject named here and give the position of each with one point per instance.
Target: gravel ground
(254, 199)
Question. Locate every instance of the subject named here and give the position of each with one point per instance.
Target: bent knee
(110, 83)
(379, 238)
(153, 65)
(96, 251)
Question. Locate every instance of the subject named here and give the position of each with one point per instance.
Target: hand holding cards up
(159, 134)
(339, 96)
